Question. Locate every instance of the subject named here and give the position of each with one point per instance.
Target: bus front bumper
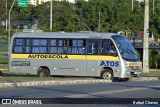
(128, 72)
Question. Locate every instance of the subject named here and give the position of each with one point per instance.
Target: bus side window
(39, 49)
(93, 47)
(58, 46)
(82, 46)
(53, 50)
(107, 47)
(53, 46)
(21, 46)
(77, 47)
(39, 46)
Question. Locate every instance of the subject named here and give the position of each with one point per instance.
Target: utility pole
(9, 24)
(9, 31)
(139, 6)
(51, 17)
(153, 6)
(99, 22)
(132, 5)
(81, 15)
(6, 15)
(145, 39)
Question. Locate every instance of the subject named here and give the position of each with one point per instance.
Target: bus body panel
(76, 67)
(70, 64)
(92, 68)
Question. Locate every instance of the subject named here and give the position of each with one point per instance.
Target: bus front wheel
(107, 74)
(43, 72)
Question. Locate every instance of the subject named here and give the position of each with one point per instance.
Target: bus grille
(134, 67)
(133, 75)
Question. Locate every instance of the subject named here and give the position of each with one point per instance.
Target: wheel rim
(40, 74)
(107, 76)
(44, 73)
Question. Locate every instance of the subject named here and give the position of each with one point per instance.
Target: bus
(92, 54)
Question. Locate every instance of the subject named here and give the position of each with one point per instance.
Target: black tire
(107, 74)
(123, 79)
(126, 79)
(43, 72)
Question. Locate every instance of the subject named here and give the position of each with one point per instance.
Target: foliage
(153, 58)
(115, 15)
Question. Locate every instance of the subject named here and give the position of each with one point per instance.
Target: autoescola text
(49, 56)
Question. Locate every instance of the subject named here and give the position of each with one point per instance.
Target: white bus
(104, 55)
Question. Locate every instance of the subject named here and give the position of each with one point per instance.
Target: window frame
(98, 40)
(14, 45)
(77, 47)
(67, 45)
(108, 53)
(31, 45)
(57, 41)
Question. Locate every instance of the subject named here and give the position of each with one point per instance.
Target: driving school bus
(104, 55)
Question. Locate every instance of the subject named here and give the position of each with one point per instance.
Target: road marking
(106, 92)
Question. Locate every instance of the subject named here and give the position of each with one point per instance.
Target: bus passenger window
(39, 46)
(18, 49)
(21, 46)
(74, 50)
(39, 49)
(81, 50)
(20, 42)
(39, 42)
(53, 50)
(77, 47)
(58, 46)
(93, 47)
(53, 42)
(62, 50)
(107, 47)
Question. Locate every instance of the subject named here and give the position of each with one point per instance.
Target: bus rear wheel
(107, 74)
(43, 72)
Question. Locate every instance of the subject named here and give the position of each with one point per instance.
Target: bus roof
(94, 35)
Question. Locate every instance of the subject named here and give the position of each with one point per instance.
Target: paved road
(100, 90)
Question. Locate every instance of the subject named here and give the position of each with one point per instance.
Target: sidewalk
(69, 82)
(55, 82)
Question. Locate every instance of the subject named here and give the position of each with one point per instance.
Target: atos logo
(110, 63)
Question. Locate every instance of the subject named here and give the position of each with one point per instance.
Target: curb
(144, 79)
(69, 82)
(41, 83)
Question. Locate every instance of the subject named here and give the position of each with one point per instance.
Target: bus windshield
(126, 49)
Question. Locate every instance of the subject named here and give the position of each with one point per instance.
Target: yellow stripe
(71, 57)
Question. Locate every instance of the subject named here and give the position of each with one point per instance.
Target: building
(37, 2)
(32, 2)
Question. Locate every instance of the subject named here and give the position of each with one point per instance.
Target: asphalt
(64, 82)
